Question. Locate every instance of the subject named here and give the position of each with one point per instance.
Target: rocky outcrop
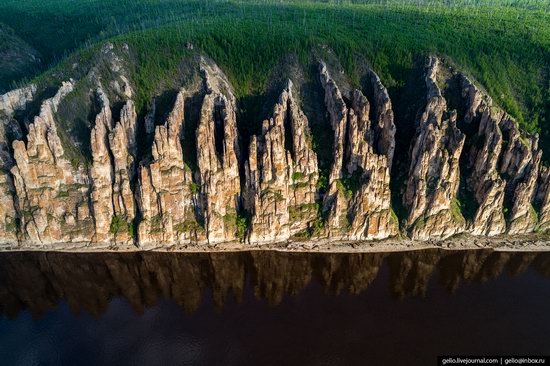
(16, 100)
(52, 194)
(433, 180)
(335, 202)
(129, 179)
(9, 213)
(281, 176)
(520, 163)
(218, 158)
(113, 168)
(542, 198)
(166, 191)
(384, 126)
(101, 171)
(523, 217)
(502, 169)
(357, 204)
(122, 141)
(484, 180)
(10, 103)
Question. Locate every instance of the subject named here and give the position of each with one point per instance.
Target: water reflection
(40, 281)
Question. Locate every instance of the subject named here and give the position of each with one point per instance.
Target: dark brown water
(264, 308)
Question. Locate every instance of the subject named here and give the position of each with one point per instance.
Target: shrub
(242, 227)
(119, 224)
(297, 176)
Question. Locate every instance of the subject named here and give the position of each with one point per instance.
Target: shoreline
(518, 243)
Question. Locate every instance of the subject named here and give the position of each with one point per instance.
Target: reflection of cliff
(39, 281)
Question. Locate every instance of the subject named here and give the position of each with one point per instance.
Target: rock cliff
(52, 195)
(432, 185)
(281, 176)
(165, 191)
(218, 158)
(179, 171)
(357, 204)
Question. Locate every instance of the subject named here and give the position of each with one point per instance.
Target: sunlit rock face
(113, 149)
(83, 164)
(51, 194)
(502, 169)
(433, 180)
(357, 203)
(165, 191)
(218, 157)
(281, 176)
(10, 103)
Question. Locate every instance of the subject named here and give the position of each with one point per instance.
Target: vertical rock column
(482, 177)
(8, 210)
(384, 126)
(102, 171)
(280, 182)
(484, 180)
(523, 217)
(122, 141)
(10, 103)
(361, 211)
(53, 195)
(113, 152)
(520, 161)
(166, 188)
(434, 171)
(502, 168)
(542, 197)
(217, 158)
(369, 209)
(303, 207)
(335, 202)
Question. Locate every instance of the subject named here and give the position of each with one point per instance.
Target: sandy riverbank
(523, 243)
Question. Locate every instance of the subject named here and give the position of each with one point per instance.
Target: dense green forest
(504, 45)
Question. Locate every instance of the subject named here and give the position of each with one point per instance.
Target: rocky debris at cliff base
(520, 243)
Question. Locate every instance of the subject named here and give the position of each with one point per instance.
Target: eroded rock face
(334, 202)
(520, 162)
(469, 170)
(357, 204)
(433, 180)
(218, 158)
(502, 169)
(113, 150)
(101, 171)
(122, 141)
(8, 210)
(486, 183)
(523, 217)
(16, 99)
(281, 176)
(52, 194)
(11, 102)
(384, 126)
(542, 198)
(166, 189)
